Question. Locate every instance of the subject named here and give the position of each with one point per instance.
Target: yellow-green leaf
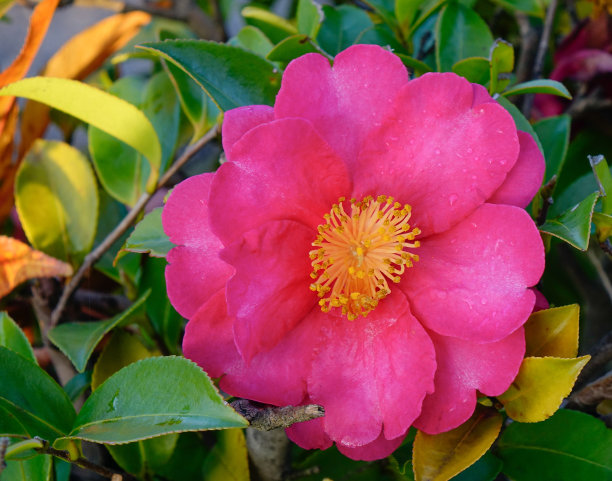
(553, 332)
(440, 457)
(540, 386)
(228, 460)
(95, 107)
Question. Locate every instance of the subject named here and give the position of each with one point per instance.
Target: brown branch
(593, 393)
(124, 225)
(4, 442)
(272, 417)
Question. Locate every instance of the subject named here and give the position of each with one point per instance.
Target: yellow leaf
(19, 262)
(553, 332)
(540, 386)
(228, 460)
(440, 457)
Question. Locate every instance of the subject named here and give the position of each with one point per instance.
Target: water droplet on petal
(452, 199)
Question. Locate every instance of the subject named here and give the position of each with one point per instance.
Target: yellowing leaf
(553, 332)
(228, 460)
(440, 457)
(8, 168)
(540, 386)
(79, 57)
(19, 262)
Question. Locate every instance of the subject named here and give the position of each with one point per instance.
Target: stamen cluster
(357, 254)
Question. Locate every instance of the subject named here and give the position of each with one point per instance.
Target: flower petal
(269, 293)
(342, 103)
(195, 271)
(525, 178)
(279, 170)
(472, 281)
(372, 371)
(237, 122)
(438, 153)
(378, 449)
(463, 368)
(309, 434)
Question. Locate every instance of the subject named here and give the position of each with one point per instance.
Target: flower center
(356, 255)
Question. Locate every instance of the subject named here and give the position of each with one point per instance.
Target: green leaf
(78, 385)
(342, 27)
(542, 86)
(77, 340)
(385, 10)
(604, 180)
(97, 108)
(475, 69)
(57, 200)
(554, 133)
(537, 8)
(485, 469)
(380, 34)
(519, 119)
(292, 47)
(186, 460)
(460, 33)
(141, 401)
(502, 63)
(37, 468)
(147, 455)
(13, 338)
(33, 403)
(149, 236)
(603, 224)
(418, 67)
(276, 28)
(574, 225)
(232, 77)
(228, 460)
(405, 12)
(252, 39)
(569, 446)
(309, 18)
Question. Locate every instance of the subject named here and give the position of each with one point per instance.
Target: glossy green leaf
(502, 64)
(485, 469)
(554, 134)
(33, 403)
(141, 401)
(145, 456)
(519, 120)
(405, 12)
(475, 69)
(187, 459)
(292, 47)
(570, 446)
(574, 225)
(385, 9)
(253, 39)
(380, 34)
(309, 17)
(537, 8)
(553, 332)
(460, 33)
(78, 385)
(440, 457)
(13, 338)
(540, 386)
(228, 459)
(416, 66)
(604, 180)
(276, 28)
(342, 27)
(97, 108)
(542, 86)
(37, 468)
(57, 200)
(149, 236)
(164, 318)
(232, 77)
(77, 340)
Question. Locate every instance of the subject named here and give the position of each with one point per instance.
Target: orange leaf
(79, 57)
(8, 168)
(19, 262)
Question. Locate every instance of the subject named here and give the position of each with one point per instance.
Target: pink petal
(279, 170)
(463, 368)
(541, 302)
(372, 371)
(525, 178)
(309, 434)
(472, 281)
(342, 103)
(237, 122)
(378, 449)
(481, 95)
(195, 271)
(276, 377)
(269, 294)
(438, 153)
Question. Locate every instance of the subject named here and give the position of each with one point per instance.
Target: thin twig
(541, 52)
(124, 225)
(86, 464)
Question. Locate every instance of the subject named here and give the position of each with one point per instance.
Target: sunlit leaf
(292, 47)
(149, 236)
(309, 17)
(542, 86)
(19, 262)
(228, 459)
(570, 446)
(574, 225)
(553, 332)
(77, 340)
(440, 457)
(276, 28)
(540, 386)
(13, 338)
(141, 401)
(475, 69)
(95, 107)
(502, 63)
(253, 39)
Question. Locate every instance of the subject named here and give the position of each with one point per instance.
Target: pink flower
(391, 309)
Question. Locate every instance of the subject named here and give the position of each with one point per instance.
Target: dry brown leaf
(19, 262)
(8, 168)
(79, 57)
